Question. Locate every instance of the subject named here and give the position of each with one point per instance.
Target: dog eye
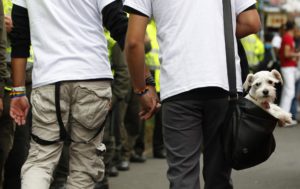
(257, 84)
(270, 82)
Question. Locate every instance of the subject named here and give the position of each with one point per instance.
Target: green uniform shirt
(3, 67)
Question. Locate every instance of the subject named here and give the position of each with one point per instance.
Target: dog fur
(263, 93)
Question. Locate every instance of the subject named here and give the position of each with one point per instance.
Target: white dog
(263, 93)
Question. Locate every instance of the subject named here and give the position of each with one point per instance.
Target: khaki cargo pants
(84, 106)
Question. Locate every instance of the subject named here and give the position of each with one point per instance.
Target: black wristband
(150, 81)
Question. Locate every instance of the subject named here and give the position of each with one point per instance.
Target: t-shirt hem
(43, 83)
(185, 89)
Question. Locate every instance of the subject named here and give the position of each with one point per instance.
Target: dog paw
(286, 118)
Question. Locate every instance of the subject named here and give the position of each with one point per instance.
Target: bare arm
(135, 56)
(288, 53)
(20, 43)
(135, 48)
(18, 71)
(248, 22)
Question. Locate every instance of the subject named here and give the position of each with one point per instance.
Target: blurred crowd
(278, 48)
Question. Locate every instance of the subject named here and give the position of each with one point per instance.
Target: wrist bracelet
(150, 81)
(14, 94)
(19, 89)
(142, 92)
(17, 95)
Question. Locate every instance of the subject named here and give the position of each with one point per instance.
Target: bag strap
(229, 46)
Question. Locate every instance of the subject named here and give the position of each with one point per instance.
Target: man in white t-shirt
(71, 84)
(194, 83)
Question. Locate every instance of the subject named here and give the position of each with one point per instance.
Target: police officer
(152, 60)
(5, 139)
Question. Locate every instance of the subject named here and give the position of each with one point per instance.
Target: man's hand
(1, 106)
(149, 104)
(19, 108)
(8, 24)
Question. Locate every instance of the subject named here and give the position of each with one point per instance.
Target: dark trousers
(7, 130)
(17, 157)
(188, 125)
(158, 143)
(157, 139)
(133, 125)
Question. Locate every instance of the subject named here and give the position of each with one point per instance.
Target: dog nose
(265, 92)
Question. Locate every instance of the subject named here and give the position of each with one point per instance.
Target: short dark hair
(289, 25)
(268, 36)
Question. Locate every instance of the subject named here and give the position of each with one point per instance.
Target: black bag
(248, 130)
(248, 134)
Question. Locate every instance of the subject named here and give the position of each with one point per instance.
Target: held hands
(149, 103)
(8, 24)
(19, 107)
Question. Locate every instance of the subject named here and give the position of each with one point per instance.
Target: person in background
(269, 61)
(132, 144)
(120, 86)
(254, 48)
(277, 39)
(194, 82)
(5, 131)
(21, 135)
(71, 81)
(288, 67)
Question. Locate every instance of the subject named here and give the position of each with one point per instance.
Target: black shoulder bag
(248, 130)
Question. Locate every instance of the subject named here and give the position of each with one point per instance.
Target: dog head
(262, 85)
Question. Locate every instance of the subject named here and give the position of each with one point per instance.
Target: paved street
(281, 171)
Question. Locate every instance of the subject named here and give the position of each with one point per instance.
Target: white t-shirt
(276, 41)
(68, 40)
(191, 40)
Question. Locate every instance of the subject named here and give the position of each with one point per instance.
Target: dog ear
(248, 82)
(277, 75)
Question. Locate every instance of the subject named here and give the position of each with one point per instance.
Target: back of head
(268, 36)
(289, 25)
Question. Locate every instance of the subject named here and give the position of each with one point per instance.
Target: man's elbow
(132, 44)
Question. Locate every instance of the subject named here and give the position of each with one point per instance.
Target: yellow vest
(7, 5)
(110, 43)
(152, 57)
(254, 49)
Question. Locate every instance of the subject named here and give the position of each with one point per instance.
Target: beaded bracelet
(17, 92)
(150, 81)
(19, 89)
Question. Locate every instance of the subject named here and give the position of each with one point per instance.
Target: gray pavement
(281, 171)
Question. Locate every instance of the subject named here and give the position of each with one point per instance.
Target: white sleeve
(241, 5)
(21, 3)
(103, 3)
(143, 6)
